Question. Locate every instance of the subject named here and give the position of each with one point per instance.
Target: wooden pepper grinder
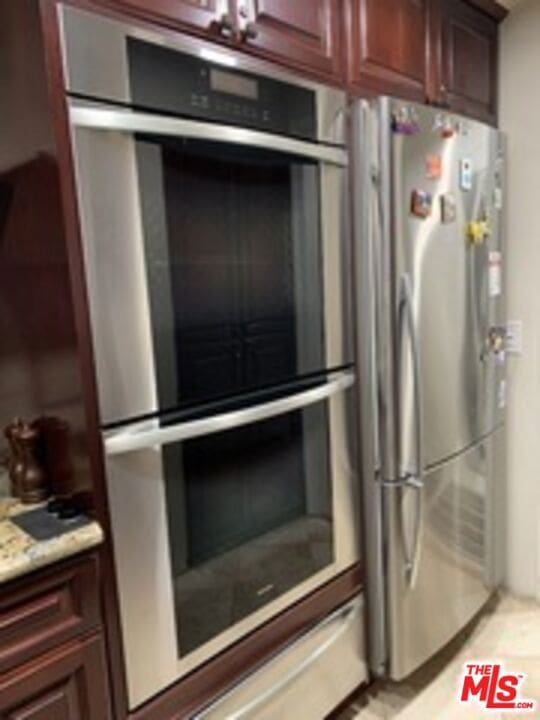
(55, 455)
(15, 467)
(33, 483)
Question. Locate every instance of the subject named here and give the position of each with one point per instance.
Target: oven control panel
(169, 81)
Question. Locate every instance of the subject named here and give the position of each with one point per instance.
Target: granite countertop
(21, 552)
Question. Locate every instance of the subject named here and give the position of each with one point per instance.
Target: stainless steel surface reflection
(452, 309)
(452, 584)
(432, 388)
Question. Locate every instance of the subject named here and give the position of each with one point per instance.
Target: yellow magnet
(478, 231)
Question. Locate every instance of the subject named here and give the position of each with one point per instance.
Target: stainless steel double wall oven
(212, 201)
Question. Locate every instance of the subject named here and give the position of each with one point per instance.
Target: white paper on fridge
(495, 273)
(501, 395)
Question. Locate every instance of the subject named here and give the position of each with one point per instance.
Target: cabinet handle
(226, 25)
(444, 95)
(250, 31)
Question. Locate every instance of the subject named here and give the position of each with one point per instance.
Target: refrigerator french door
(428, 197)
(212, 192)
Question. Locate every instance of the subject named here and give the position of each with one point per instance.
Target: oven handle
(100, 117)
(143, 435)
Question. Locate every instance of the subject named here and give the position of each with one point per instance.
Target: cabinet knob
(226, 25)
(250, 31)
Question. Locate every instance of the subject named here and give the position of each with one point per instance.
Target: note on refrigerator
(495, 273)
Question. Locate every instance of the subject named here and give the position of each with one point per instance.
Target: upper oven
(212, 210)
(212, 199)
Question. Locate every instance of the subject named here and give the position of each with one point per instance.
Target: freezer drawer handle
(141, 436)
(343, 616)
(412, 478)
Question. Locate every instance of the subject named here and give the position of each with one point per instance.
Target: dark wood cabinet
(387, 41)
(51, 609)
(67, 684)
(443, 52)
(469, 60)
(52, 654)
(302, 34)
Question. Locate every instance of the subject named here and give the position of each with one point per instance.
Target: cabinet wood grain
(469, 57)
(205, 16)
(66, 684)
(387, 42)
(443, 52)
(299, 34)
(43, 611)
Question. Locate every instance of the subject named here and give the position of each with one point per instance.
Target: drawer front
(45, 610)
(69, 683)
(308, 679)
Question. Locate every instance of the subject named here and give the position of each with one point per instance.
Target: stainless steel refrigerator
(428, 196)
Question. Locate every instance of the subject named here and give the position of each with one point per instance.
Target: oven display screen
(233, 84)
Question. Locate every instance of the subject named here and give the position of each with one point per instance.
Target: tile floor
(508, 630)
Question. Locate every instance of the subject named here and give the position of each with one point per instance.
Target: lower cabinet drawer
(42, 611)
(69, 683)
(308, 679)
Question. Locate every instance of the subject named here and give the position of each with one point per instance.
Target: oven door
(222, 521)
(214, 257)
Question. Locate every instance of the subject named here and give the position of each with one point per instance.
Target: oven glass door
(213, 263)
(249, 516)
(234, 267)
(221, 521)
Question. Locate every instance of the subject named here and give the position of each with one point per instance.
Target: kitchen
(266, 308)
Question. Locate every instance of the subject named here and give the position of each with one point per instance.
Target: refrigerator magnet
(448, 208)
(405, 121)
(433, 167)
(465, 174)
(421, 203)
(448, 131)
(405, 127)
(495, 273)
(501, 395)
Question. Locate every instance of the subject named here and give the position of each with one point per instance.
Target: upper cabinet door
(300, 33)
(388, 44)
(211, 16)
(469, 53)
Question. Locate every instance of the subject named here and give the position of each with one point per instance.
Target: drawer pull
(343, 617)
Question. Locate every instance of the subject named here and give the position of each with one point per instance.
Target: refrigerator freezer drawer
(308, 679)
(452, 516)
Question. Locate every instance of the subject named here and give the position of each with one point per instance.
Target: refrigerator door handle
(411, 478)
(373, 239)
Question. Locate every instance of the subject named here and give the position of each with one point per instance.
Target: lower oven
(221, 522)
(212, 199)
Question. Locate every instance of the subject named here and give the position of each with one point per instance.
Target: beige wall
(520, 119)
